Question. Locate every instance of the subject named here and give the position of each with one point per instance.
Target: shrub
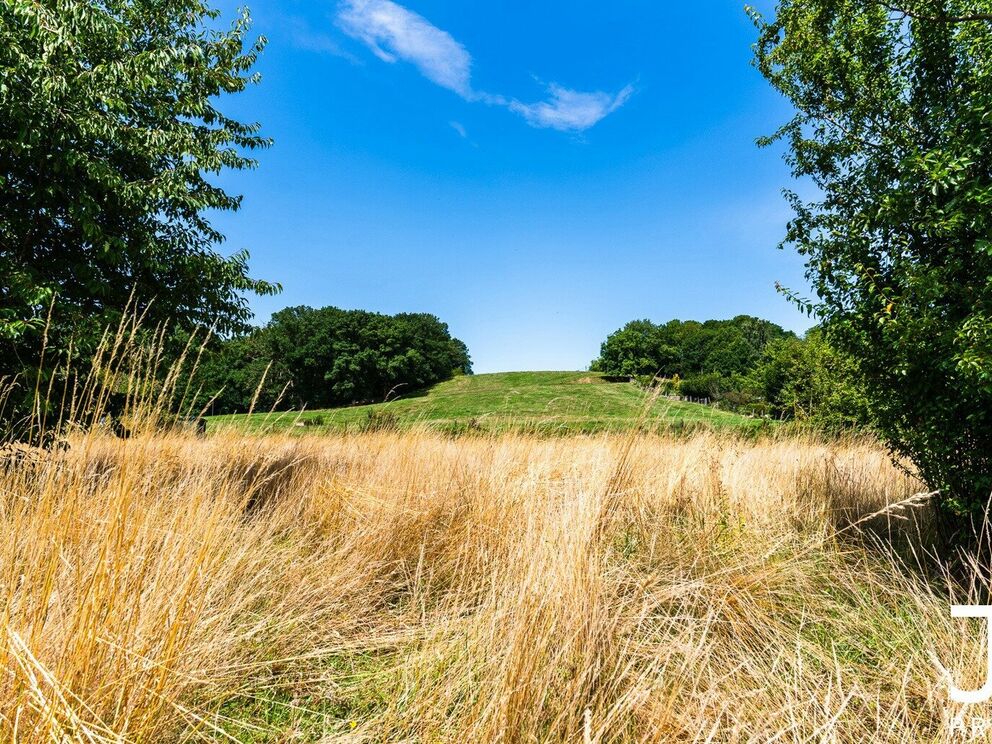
(708, 385)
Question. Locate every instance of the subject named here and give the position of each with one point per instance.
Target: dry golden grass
(411, 587)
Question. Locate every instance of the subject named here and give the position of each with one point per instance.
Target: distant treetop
(318, 358)
(687, 348)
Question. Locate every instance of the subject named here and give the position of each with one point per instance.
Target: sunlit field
(415, 587)
(551, 403)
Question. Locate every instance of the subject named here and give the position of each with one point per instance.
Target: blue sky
(535, 174)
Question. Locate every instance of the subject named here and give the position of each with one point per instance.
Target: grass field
(537, 402)
(417, 587)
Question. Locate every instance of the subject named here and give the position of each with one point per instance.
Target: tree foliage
(109, 130)
(325, 357)
(893, 123)
(745, 364)
(687, 348)
(809, 381)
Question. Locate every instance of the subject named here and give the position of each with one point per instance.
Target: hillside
(546, 402)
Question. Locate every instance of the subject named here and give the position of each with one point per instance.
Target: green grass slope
(540, 402)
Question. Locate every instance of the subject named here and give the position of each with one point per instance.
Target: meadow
(414, 586)
(530, 557)
(536, 402)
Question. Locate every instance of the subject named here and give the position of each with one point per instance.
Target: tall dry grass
(412, 587)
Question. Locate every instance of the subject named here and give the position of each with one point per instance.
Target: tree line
(317, 358)
(744, 364)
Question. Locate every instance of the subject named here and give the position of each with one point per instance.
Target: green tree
(301, 339)
(332, 357)
(893, 127)
(809, 381)
(109, 129)
(717, 348)
(235, 371)
(639, 348)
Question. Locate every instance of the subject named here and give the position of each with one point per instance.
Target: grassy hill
(543, 402)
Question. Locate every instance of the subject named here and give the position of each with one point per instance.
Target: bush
(708, 385)
(812, 383)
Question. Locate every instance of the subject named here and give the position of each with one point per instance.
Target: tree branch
(967, 18)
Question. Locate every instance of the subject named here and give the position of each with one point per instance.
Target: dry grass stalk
(412, 587)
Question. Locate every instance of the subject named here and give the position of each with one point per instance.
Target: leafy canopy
(686, 348)
(893, 126)
(109, 129)
(326, 357)
(808, 381)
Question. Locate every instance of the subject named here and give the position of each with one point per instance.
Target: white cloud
(394, 33)
(458, 127)
(571, 110)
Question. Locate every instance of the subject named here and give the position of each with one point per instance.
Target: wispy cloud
(392, 32)
(395, 33)
(458, 127)
(571, 110)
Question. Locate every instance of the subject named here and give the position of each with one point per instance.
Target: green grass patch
(546, 403)
(329, 697)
